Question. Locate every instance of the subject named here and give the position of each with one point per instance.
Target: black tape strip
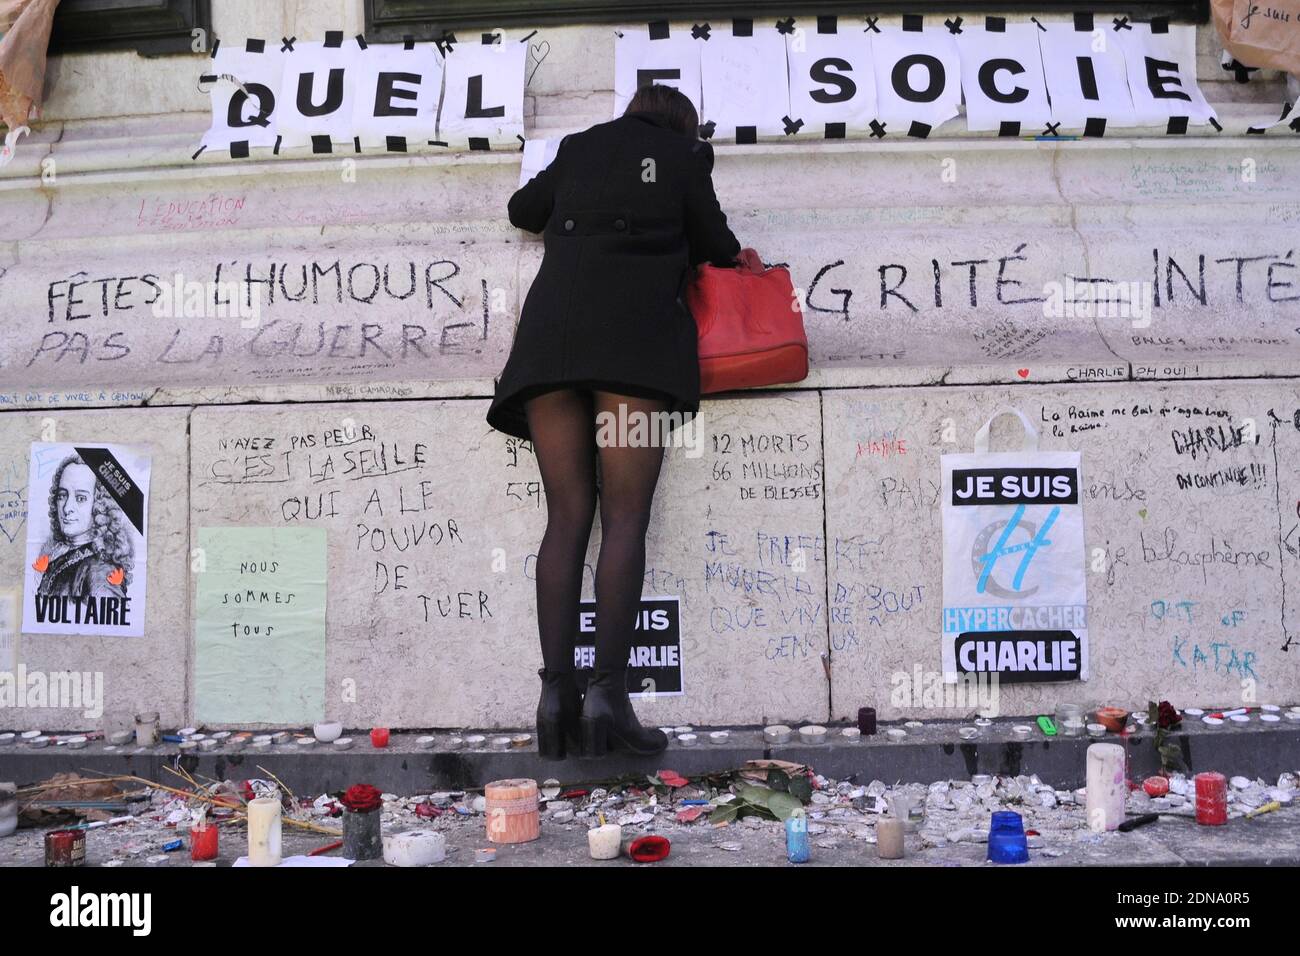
(1052, 129)
(275, 150)
(117, 481)
(286, 44)
(954, 26)
(254, 45)
(919, 130)
(208, 78)
(239, 149)
(487, 39)
(522, 142)
(707, 130)
(1094, 126)
(408, 42)
(913, 23)
(742, 27)
(871, 25)
(835, 131)
(700, 32)
(321, 144)
(785, 26)
(995, 24)
(1009, 128)
(1177, 126)
(1121, 23)
(1215, 124)
(437, 142)
(396, 144)
(1038, 24)
(333, 39)
(1160, 25)
(1255, 130)
(361, 40)
(877, 129)
(828, 24)
(480, 142)
(1083, 22)
(658, 29)
(197, 152)
(792, 126)
(746, 135)
(215, 43)
(356, 144)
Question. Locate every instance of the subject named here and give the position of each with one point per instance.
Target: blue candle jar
(796, 837)
(1007, 843)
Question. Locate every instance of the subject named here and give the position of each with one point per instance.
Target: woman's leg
(561, 423)
(628, 476)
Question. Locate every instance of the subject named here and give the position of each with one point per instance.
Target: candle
(1105, 786)
(889, 838)
(1211, 799)
(511, 810)
(264, 832)
(604, 842)
(776, 734)
(796, 837)
(147, 729)
(379, 737)
(203, 842)
(867, 720)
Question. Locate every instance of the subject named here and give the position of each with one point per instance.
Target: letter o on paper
(902, 70)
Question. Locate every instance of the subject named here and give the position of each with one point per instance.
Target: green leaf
(778, 780)
(783, 805)
(801, 787)
(725, 813)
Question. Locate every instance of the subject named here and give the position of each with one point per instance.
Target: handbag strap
(982, 436)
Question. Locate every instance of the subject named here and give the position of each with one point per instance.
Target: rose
(1168, 718)
(362, 798)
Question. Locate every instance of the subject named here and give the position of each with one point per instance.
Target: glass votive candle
(1070, 721)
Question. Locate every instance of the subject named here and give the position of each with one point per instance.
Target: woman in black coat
(627, 209)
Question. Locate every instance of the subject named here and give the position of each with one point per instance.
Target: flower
(1168, 718)
(362, 798)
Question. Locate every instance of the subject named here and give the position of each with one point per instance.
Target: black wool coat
(626, 210)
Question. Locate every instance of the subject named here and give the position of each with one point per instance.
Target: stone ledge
(935, 752)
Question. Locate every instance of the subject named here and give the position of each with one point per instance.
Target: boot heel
(550, 740)
(595, 737)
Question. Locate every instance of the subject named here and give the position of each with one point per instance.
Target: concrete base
(934, 752)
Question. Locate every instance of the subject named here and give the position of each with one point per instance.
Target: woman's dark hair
(669, 102)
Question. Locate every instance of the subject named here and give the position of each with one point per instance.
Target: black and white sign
(654, 662)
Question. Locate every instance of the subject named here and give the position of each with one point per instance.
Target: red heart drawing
(1023, 372)
(41, 563)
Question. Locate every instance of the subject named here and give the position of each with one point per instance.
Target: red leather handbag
(750, 325)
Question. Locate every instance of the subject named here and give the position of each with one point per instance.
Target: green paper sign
(259, 628)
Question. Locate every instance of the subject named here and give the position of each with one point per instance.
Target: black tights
(564, 431)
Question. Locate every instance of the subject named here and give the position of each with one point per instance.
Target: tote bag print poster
(87, 515)
(1014, 597)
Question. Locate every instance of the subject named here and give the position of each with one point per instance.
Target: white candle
(264, 832)
(605, 842)
(1106, 789)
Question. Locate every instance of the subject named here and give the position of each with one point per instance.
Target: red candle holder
(203, 843)
(379, 737)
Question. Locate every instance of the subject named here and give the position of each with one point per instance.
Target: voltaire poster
(87, 548)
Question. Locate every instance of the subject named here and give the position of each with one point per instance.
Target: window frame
(393, 20)
(150, 27)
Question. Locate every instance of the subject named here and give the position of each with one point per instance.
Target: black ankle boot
(609, 722)
(557, 714)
